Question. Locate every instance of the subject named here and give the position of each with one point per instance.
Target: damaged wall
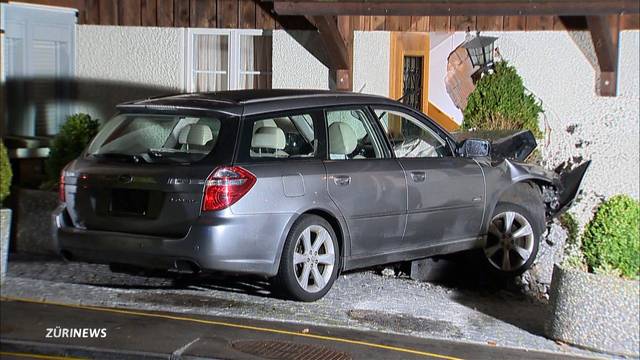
(581, 124)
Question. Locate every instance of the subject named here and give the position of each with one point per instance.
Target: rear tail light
(61, 194)
(225, 186)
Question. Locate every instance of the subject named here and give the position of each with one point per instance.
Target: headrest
(269, 138)
(342, 138)
(263, 123)
(183, 134)
(198, 135)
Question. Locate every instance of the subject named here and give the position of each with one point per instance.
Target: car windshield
(156, 138)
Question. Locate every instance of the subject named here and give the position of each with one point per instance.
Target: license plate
(126, 202)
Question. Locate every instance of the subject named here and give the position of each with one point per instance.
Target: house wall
(294, 67)
(371, 61)
(558, 67)
(115, 64)
(120, 63)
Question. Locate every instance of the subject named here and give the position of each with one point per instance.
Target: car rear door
(365, 182)
(446, 194)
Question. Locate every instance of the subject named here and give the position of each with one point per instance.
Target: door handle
(418, 176)
(342, 180)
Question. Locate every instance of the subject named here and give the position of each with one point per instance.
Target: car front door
(446, 193)
(365, 182)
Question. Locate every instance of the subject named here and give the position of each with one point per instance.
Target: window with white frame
(228, 59)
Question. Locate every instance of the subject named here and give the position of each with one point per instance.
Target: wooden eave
(455, 7)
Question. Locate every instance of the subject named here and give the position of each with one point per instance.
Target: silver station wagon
(298, 185)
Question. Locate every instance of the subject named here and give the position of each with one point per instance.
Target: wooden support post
(338, 50)
(343, 80)
(604, 34)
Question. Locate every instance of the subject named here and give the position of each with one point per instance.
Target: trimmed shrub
(611, 241)
(5, 173)
(73, 137)
(501, 102)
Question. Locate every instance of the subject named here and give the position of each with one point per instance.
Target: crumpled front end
(560, 188)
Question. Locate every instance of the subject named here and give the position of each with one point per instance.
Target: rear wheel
(514, 236)
(310, 259)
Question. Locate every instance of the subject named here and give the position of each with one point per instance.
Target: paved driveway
(466, 309)
(133, 334)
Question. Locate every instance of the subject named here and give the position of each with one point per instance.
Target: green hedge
(500, 101)
(611, 241)
(73, 137)
(5, 173)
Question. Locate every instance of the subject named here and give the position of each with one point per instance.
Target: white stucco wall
(294, 67)
(119, 63)
(555, 69)
(146, 55)
(371, 60)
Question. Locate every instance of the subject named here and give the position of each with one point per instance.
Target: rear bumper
(249, 244)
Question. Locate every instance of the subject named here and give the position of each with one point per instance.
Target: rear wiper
(163, 152)
(118, 156)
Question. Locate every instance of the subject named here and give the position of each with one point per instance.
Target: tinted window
(351, 136)
(283, 137)
(411, 138)
(157, 137)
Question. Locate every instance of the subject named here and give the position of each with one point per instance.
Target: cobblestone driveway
(362, 300)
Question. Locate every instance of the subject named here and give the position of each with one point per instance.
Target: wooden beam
(333, 41)
(604, 34)
(455, 8)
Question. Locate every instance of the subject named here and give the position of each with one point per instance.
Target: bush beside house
(5, 214)
(73, 137)
(594, 297)
(34, 226)
(611, 243)
(501, 102)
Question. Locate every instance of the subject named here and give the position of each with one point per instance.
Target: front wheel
(310, 259)
(513, 237)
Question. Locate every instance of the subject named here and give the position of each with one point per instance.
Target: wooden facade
(255, 14)
(336, 20)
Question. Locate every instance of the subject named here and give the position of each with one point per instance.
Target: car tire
(303, 260)
(527, 223)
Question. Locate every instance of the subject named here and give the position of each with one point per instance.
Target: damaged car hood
(510, 149)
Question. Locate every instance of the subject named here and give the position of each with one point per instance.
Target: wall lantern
(480, 50)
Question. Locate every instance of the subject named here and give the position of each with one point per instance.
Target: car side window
(287, 136)
(409, 137)
(351, 136)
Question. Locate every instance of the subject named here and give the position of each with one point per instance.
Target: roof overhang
(455, 7)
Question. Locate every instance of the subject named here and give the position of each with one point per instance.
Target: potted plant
(595, 292)
(34, 208)
(5, 214)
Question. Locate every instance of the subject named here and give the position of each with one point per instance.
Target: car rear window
(156, 138)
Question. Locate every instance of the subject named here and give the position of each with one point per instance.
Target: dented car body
(298, 185)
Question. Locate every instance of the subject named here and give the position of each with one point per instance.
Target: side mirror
(474, 148)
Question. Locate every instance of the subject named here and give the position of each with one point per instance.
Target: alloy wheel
(510, 241)
(314, 258)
